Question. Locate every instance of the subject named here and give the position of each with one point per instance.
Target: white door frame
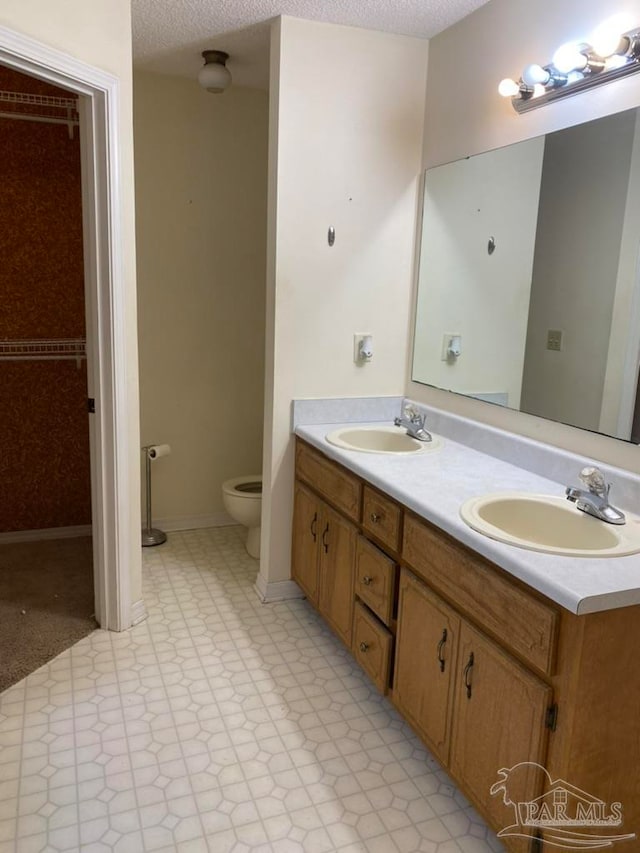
(111, 471)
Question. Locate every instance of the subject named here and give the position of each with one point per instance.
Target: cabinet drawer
(372, 646)
(381, 518)
(524, 623)
(375, 579)
(340, 488)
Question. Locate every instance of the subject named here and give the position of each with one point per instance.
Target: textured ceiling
(169, 35)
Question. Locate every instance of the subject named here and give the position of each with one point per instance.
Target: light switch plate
(357, 338)
(554, 339)
(446, 339)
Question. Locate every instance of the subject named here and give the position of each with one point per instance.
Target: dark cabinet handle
(441, 645)
(376, 517)
(467, 675)
(366, 580)
(325, 544)
(364, 647)
(314, 526)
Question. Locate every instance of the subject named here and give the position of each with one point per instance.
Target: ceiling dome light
(214, 76)
(569, 57)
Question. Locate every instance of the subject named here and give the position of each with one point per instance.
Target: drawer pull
(467, 675)
(376, 517)
(314, 526)
(367, 581)
(441, 645)
(364, 647)
(325, 544)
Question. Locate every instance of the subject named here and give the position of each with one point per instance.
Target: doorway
(46, 584)
(113, 431)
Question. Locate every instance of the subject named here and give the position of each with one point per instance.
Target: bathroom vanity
(496, 664)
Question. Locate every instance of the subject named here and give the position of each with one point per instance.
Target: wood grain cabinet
(426, 659)
(324, 542)
(372, 644)
(375, 579)
(499, 720)
(490, 674)
(475, 706)
(307, 520)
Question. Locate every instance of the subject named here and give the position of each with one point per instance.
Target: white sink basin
(380, 439)
(551, 524)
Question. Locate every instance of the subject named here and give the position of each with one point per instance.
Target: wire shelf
(41, 349)
(38, 100)
(48, 109)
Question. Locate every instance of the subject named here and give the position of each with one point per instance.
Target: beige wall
(576, 267)
(99, 33)
(464, 115)
(616, 417)
(345, 150)
(201, 187)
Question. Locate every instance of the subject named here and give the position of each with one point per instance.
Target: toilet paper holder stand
(152, 535)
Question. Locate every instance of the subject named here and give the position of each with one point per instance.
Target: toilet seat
(249, 486)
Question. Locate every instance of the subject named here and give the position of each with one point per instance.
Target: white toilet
(242, 499)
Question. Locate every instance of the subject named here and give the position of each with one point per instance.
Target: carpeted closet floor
(46, 602)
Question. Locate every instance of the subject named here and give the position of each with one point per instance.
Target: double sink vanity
(505, 635)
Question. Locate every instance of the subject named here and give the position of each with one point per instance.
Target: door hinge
(91, 405)
(551, 718)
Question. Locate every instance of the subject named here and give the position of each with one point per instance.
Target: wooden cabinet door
(499, 722)
(337, 544)
(425, 666)
(306, 537)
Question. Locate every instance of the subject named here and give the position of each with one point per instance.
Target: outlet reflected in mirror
(531, 254)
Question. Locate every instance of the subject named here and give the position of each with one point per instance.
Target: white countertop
(435, 484)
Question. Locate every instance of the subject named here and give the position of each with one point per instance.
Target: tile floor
(219, 724)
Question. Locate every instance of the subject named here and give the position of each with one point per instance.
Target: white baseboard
(44, 533)
(192, 522)
(138, 612)
(276, 590)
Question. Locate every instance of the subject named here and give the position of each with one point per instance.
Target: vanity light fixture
(576, 67)
(214, 76)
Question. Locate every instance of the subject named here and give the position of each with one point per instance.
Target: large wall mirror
(529, 277)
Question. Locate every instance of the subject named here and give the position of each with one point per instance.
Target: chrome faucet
(595, 501)
(413, 422)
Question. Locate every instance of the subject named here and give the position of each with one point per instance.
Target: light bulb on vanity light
(607, 39)
(568, 57)
(534, 74)
(615, 61)
(508, 88)
(605, 44)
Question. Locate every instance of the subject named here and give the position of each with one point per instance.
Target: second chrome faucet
(595, 500)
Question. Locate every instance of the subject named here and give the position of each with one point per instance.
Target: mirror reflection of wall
(545, 316)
